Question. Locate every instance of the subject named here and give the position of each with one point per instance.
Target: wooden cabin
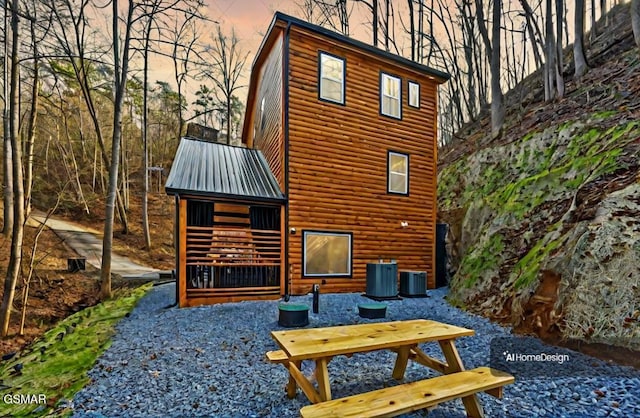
(344, 135)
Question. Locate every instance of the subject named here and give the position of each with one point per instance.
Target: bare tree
(579, 59)
(121, 67)
(535, 34)
(148, 27)
(35, 95)
(15, 258)
(183, 39)
(71, 36)
(227, 63)
(497, 106)
(635, 20)
(7, 228)
(594, 30)
(493, 51)
(559, 52)
(550, 54)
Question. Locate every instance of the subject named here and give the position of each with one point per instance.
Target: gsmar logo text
(23, 399)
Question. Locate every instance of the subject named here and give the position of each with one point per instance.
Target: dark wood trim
(182, 255)
(285, 108)
(389, 152)
(399, 78)
(344, 78)
(409, 83)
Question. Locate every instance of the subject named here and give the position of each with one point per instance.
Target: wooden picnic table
(403, 337)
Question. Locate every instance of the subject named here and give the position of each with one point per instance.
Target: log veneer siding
(338, 163)
(269, 131)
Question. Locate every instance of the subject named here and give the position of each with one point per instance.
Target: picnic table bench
(322, 344)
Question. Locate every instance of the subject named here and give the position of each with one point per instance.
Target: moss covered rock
(556, 206)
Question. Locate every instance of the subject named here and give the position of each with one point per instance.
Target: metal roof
(441, 76)
(224, 171)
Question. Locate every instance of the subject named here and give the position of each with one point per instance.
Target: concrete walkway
(88, 244)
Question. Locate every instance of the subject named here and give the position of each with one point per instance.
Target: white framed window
(331, 74)
(414, 94)
(390, 94)
(326, 253)
(398, 173)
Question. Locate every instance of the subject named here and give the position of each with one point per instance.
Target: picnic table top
(313, 343)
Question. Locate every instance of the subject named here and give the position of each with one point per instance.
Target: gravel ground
(209, 361)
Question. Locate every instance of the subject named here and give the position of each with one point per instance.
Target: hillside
(545, 222)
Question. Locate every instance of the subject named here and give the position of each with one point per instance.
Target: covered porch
(229, 224)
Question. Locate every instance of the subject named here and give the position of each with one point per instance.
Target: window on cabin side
(326, 253)
(331, 78)
(390, 94)
(398, 173)
(263, 117)
(414, 94)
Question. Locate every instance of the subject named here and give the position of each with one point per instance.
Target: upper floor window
(414, 94)
(390, 93)
(398, 173)
(331, 73)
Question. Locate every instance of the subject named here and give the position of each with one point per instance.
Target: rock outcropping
(545, 223)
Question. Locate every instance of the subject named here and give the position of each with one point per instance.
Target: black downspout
(285, 82)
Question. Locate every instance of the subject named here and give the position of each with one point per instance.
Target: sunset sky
(251, 18)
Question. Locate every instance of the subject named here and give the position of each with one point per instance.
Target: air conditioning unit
(413, 283)
(382, 280)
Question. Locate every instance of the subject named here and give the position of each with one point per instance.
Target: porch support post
(283, 249)
(182, 256)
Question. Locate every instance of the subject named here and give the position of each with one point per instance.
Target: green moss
(526, 270)
(580, 143)
(450, 183)
(479, 260)
(605, 114)
(56, 365)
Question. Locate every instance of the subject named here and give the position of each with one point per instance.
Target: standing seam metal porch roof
(218, 170)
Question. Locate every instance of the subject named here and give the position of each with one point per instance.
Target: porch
(229, 224)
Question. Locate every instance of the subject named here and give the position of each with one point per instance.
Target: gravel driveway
(209, 361)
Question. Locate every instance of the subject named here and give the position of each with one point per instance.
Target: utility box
(413, 283)
(74, 265)
(382, 280)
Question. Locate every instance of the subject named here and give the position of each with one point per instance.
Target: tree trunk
(594, 30)
(120, 75)
(635, 20)
(533, 22)
(559, 52)
(497, 107)
(145, 146)
(15, 258)
(7, 228)
(579, 59)
(375, 23)
(412, 30)
(28, 181)
(550, 52)
(229, 119)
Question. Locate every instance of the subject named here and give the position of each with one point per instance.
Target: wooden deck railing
(232, 258)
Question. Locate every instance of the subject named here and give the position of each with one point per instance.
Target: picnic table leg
(401, 363)
(292, 385)
(471, 403)
(322, 374)
(303, 382)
